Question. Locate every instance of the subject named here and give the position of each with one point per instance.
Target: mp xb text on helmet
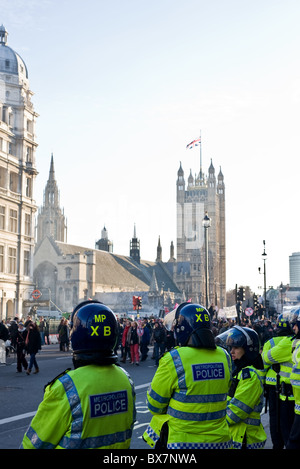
(193, 326)
(94, 333)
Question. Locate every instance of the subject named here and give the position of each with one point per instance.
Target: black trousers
(274, 414)
(294, 439)
(287, 414)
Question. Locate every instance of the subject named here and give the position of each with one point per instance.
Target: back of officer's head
(283, 325)
(193, 327)
(94, 333)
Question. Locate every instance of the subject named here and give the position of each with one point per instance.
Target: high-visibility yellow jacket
(270, 374)
(190, 387)
(244, 408)
(281, 354)
(89, 407)
(295, 378)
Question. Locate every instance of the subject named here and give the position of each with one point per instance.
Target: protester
(134, 342)
(13, 331)
(63, 335)
(42, 330)
(46, 332)
(125, 345)
(32, 346)
(20, 345)
(3, 338)
(159, 341)
(145, 340)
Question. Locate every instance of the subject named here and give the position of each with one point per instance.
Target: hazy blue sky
(121, 86)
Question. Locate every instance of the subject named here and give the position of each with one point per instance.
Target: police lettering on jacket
(110, 403)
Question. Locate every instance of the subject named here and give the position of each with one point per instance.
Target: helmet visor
(294, 315)
(232, 338)
(169, 320)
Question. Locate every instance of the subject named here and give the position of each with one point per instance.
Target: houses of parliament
(35, 254)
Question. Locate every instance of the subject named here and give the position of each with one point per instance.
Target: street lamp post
(264, 256)
(206, 224)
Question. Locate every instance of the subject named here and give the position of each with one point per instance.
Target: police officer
(92, 406)
(294, 437)
(188, 393)
(281, 355)
(245, 400)
(273, 380)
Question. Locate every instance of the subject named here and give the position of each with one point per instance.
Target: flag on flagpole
(194, 143)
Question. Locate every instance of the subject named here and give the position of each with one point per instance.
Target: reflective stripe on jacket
(243, 411)
(90, 407)
(281, 354)
(295, 378)
(191, 386)
(153, 431)
(270, 374)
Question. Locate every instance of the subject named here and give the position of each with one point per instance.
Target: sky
(122, 86)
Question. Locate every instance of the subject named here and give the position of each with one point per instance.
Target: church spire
(51, 196)
(159, 251)
(51, 219)
(135, 247)
(51, 172)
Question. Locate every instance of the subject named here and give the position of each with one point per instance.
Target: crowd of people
(27, 338)
(263, 370)
(135, 337)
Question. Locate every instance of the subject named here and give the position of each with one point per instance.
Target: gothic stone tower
(17, 176)
(51, 220)
(201, 195)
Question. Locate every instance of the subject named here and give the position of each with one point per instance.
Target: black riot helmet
(94, 333)
(284, 324)
(244, 337)
(192, 326)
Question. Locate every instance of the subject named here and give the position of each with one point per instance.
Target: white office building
(294, 261)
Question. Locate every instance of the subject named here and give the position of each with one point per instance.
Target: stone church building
(67, 274)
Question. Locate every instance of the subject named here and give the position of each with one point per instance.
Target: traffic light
(137, 302)
(241, 294)
(255, 301)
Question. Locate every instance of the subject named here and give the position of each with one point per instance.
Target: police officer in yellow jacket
(273, 380)
(92, 406)
(294, 437)
(188, 393)
(281, 355)
(245, 399)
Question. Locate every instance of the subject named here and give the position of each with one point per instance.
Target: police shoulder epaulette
(56, 378)
(246, 373)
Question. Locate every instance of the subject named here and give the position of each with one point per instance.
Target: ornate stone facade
(201, 195)
(17, 176)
